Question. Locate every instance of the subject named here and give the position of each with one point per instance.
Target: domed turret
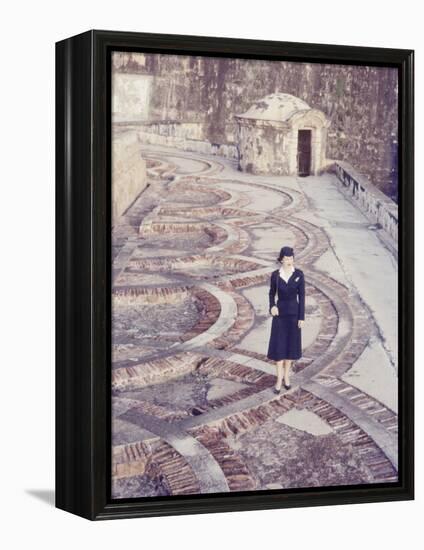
(277, 107)
(281, 134)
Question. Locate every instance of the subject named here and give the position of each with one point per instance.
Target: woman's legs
(279, 374)
(283, 365)
(287, 364)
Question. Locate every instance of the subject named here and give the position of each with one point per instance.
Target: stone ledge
(371, 201)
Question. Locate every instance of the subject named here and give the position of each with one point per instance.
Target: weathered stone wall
(361, 102)
(270, 147)
(185, 136)
(263, 148)
(374, 204)
(128, 171)
(131, 97)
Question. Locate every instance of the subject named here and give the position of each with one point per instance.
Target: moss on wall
(360, 101)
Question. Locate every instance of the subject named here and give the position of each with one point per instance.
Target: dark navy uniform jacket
(291, 295)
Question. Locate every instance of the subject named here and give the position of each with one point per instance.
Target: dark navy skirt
(286, 338)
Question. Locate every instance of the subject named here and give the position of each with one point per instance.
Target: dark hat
(285, 251)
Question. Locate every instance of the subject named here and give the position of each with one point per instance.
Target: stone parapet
(128, 172)
(187, 136)
(377, 206)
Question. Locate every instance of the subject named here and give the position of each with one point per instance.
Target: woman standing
(285, 343)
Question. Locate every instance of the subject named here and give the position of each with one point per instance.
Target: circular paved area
(192, 406)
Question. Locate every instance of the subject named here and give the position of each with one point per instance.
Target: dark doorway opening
(304, 152)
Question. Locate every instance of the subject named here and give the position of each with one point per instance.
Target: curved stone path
(213, 237)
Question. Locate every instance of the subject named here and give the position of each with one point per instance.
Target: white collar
(283, 274)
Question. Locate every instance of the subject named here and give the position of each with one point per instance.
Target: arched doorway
(304, 150)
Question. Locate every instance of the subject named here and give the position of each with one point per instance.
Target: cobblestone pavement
(193, 409)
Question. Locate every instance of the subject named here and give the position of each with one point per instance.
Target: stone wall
(371, 201)
(128, 171)
(131, 97)
(185, 136)
(361, 102)
(270, 147)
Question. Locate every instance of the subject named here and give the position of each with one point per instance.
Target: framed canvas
(234, 269)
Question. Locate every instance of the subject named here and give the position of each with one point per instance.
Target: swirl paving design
(192, 402)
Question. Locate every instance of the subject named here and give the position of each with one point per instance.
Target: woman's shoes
(278, 390)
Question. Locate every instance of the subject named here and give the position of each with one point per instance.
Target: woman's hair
(285, 251)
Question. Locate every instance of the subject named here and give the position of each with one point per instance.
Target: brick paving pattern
(187, 389)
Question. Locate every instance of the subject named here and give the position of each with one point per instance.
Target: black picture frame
(83, 280)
